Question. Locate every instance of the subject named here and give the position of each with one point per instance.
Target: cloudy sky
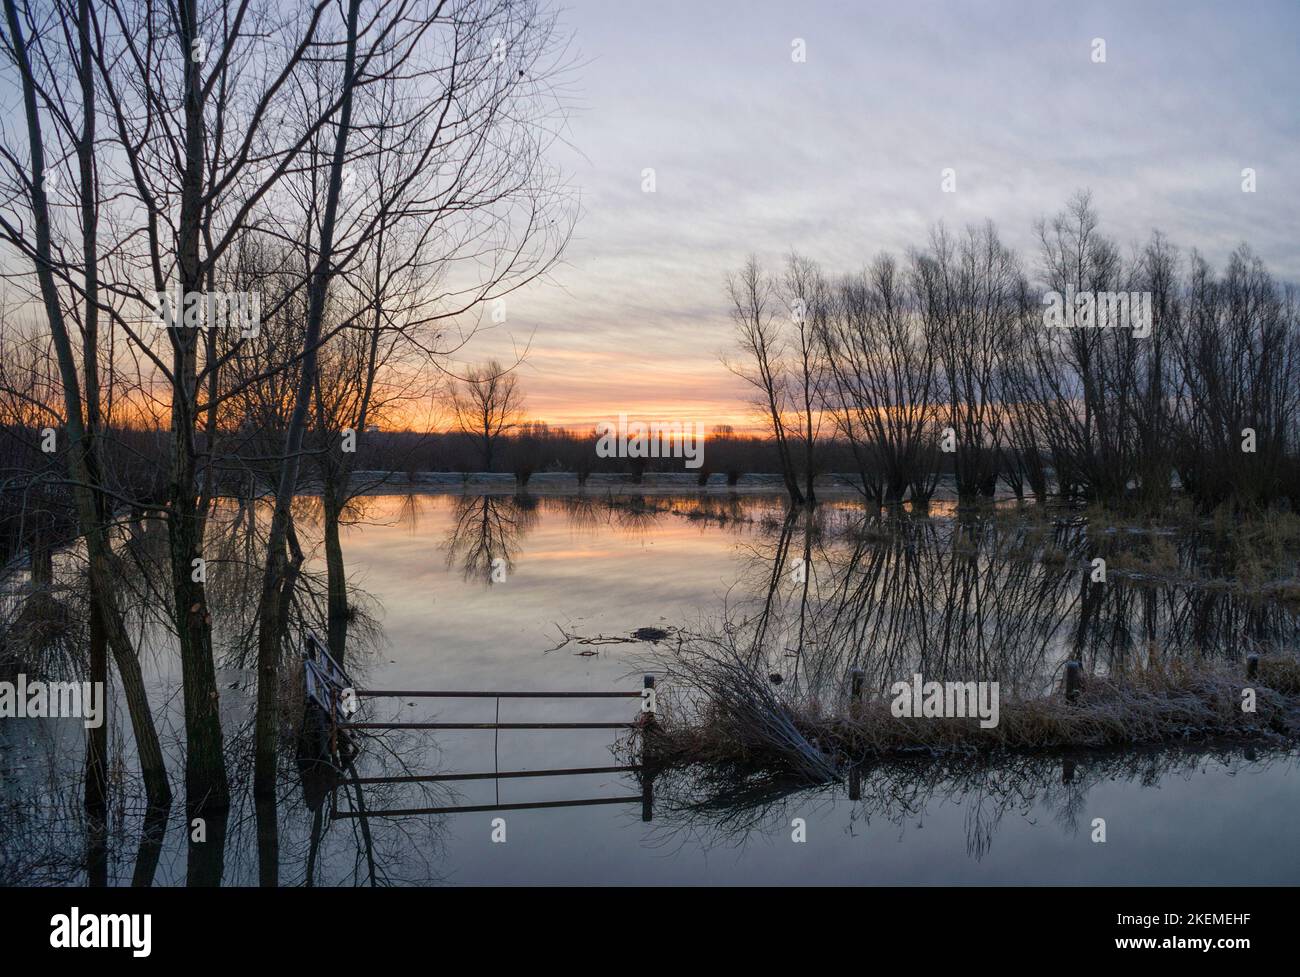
(840, 156)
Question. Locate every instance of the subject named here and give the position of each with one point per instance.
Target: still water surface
(543, 593)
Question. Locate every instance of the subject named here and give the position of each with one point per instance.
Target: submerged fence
(330, 688)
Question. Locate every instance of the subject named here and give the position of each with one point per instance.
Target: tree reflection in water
(964, 595)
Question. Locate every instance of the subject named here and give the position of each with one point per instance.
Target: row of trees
(366, 174)
(535, 446)
(949, 352)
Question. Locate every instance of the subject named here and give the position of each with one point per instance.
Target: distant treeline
(955, 351)
(40, 508)
(138, 469)
(537, 447)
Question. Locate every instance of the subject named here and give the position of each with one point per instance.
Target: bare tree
(79, 381)
(1238, 355)
(234, 141)
(487, 403)
(970, 294)
(808, 298)
(1083, 378)
(883, 377)
(763, 349)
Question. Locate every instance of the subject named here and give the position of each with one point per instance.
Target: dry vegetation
(733, 715)
(1254, 553)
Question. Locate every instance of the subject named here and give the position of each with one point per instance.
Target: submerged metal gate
(331, 689)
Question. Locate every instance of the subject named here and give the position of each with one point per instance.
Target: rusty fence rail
(646, 798)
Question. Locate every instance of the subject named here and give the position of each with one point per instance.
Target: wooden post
(334, 726)
(647, 796)
(1073, 680)
(647, 762)
(857, 679)
(1067, 771)
(1252, 667)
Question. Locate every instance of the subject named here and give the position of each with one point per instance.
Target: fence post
(1252, 667)
(1073, 680)
(647, 796)
(1067, 771)
(334, 723)
(857, 681)
(648, 729)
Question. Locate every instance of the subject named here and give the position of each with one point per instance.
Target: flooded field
(590, 592)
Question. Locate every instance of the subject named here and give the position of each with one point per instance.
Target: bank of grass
(1252, 553)
(1257, 558)
(735, 716)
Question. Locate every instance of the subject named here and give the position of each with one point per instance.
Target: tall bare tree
(79, 380)
(488, 403)
(762, 364)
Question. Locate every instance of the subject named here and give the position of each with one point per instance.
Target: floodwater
(544, 593)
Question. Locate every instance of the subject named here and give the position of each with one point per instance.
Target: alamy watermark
(177, 309)
(53, 700)
(1098, 310)
(654, 439)
(76, 930)
(945, 700)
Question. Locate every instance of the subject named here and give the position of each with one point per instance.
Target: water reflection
(971, 598)
(896, 812)
(708, 807)
(487, 533)
(813, 595)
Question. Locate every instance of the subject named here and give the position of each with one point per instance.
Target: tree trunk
(277, 581)
(97, 738)
(81, 468)
(337, 580)
(205, 761)
(205, 764)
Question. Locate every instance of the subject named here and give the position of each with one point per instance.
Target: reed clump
(734, 715)
(1281, 674)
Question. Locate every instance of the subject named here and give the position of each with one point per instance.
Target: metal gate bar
(427, 694)
(486, 725)
(508, 775)
(478, 808)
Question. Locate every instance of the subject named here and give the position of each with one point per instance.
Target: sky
(840, 156)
